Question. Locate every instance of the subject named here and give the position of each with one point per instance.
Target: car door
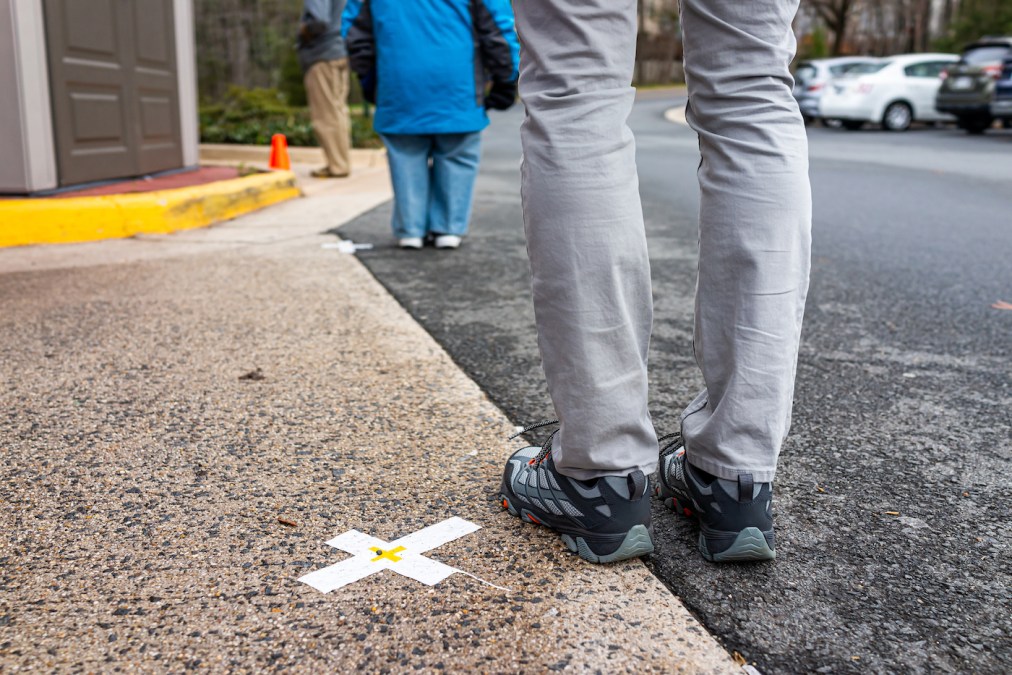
(922, 80)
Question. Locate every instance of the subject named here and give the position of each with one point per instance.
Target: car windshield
(867, 68)
(805, 72)
(985, 54)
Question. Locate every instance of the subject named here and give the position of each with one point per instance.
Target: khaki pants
(327, 91)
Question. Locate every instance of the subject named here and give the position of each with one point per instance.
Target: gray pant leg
(585, 238)
(754, 231)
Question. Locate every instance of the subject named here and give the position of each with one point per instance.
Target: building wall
(186, 68)
(26, 128)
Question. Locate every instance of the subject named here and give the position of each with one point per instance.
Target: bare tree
(836, 15)
(243, 42)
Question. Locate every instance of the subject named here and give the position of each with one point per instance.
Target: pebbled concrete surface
(892, 506)
(170, 401)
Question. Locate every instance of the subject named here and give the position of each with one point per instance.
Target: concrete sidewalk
(190, 417)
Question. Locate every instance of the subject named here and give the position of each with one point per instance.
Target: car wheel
(975, 125)
(897, 116)
(852, 125)
(831, 123)
(1006, 123)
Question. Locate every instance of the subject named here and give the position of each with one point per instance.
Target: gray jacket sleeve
(315, 15)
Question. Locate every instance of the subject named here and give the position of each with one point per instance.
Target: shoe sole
(749, 545)
(636, 543)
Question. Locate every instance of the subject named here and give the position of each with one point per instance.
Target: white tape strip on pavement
(404, 556)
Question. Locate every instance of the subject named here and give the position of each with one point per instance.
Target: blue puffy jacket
(432, 60)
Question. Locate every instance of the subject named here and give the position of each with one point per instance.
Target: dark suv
(968, 85)
(1001, 104)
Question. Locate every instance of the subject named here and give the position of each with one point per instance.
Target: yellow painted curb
(77, 219)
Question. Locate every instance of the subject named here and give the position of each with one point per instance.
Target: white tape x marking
(403, 556)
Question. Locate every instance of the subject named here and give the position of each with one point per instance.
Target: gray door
(115, 95)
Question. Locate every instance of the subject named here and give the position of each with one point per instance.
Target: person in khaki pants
(324, 61)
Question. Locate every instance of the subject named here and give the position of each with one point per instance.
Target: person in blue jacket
(433, 67)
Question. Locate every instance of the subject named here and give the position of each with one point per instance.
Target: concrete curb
(79, 219)
(214, 153)
(384, 395)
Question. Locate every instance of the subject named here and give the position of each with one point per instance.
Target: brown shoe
(326, 173)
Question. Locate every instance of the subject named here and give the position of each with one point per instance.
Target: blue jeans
(433, 177)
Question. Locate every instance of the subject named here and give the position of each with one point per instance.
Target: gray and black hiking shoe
(603, 520)
(735, 517)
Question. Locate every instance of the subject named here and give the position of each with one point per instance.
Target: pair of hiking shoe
(608, 519)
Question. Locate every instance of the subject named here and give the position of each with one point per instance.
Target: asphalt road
(892, 501)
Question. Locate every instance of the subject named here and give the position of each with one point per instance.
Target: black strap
(745, 487)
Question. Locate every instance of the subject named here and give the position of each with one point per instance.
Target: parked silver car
(812, 76)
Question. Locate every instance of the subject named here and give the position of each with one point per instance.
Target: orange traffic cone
(279, 153)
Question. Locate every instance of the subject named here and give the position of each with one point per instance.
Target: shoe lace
(670, 443)
(546, 448)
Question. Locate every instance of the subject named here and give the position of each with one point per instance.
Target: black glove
(311, 28)
(501, 96)
(368, 84)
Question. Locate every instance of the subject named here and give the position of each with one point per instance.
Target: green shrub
(252, 116)
(292, 83)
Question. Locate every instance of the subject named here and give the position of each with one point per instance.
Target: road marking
(676, 115)
(346, 246)
(404, 556)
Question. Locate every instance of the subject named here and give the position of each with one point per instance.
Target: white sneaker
(447, 241)
(410, 242)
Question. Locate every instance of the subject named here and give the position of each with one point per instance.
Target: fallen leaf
(892, 513)
(287, 523)
(1001, 304)
(254, 375)
(739, 659)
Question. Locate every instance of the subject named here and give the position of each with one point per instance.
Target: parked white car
(894, 92)
(811, 78)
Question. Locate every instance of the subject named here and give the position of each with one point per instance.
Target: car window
(842, 68)
(985, 54)
(938, 67)
(805, 72)
(867, 68)
(925, 69)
